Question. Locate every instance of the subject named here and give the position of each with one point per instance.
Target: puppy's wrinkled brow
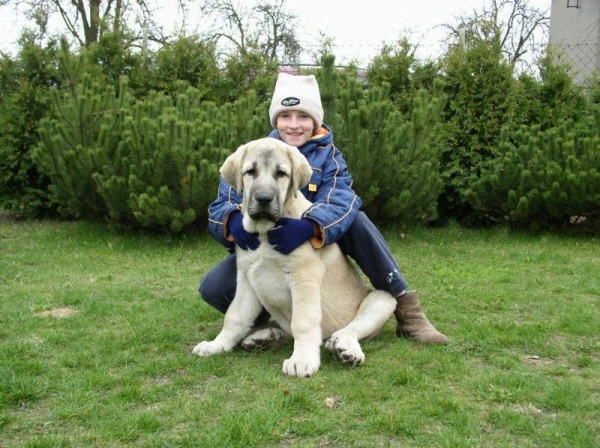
(266, 157)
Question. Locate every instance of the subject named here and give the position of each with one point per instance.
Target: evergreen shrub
(552, 98)
(544, 179)
(480, 90)
(187, 61)
(25, 98)
(415, 149)
(80, 140)
(165, 171)
(393, 159)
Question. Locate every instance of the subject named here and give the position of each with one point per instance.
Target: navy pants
(362, 242)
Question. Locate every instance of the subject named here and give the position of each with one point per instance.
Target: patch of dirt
(535, 360)
(58, 313)
(35, 340)
(332, 402)
(526, 409)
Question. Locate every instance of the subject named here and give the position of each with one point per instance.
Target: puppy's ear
(232, 169)
(301, 170)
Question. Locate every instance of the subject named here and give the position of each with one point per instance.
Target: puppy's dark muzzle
(264, 199)
(264, 205)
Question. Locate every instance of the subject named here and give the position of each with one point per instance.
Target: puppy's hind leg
(265, 337)
(372, 315)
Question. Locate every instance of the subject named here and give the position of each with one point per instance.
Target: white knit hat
(296, 93)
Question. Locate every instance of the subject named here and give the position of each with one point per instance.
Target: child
(296, 114)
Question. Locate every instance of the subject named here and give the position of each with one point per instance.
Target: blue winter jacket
(335, 204)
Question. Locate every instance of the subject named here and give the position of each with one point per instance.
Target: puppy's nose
(264, 198)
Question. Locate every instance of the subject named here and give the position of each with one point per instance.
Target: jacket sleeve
(228, 200)
(335, 204)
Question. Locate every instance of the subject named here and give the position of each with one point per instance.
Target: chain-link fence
(582, 52)
(583, 58)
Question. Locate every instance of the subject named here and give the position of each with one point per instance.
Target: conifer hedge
(459, 138)
(165, 172)
(79, 140)
(394, 159)
(152, 163)
(544, 179)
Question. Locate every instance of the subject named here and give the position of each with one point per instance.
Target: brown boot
(412, 322)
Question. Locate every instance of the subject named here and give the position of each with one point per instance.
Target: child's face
(295, 127)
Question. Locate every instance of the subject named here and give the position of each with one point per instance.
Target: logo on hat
(290, 101)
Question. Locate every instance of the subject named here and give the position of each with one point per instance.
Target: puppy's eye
(281, 173)
(250, 172)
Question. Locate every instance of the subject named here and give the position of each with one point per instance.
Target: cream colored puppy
(312, 294)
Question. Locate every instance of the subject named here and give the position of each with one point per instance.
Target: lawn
(97, 328)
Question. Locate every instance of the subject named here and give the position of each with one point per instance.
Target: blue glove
(289, 233)
(245, 240)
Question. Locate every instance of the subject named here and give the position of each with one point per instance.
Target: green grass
(522, 368)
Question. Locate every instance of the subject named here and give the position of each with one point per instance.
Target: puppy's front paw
(303, 368)
(208, 348)
(347, 348)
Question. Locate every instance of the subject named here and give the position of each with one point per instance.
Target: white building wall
(575, 34)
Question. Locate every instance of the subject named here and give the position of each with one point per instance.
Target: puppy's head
(267, 172)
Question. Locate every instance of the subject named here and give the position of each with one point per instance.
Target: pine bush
(79, 141)
(166, 167)
(394, 160)
(544, 179)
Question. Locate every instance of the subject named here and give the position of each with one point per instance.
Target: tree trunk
(92, 28)
(117, 22)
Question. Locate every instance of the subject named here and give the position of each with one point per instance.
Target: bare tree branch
(513, 22)
(70, 24)
(86, 20)
(267, 27)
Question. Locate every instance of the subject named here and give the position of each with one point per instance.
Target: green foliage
(24, 100)
(153, 164)
(188, 62)
(479, 86)
(245, 72)
(79, 141)
(392, 67)
(331, 81)
(394, 160)
(592, 90)
(165, 171)
(398, 68)
(544, 179)
(112, 58)
(551, 99)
